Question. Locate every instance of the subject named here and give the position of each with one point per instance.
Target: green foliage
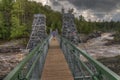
(117, 36)
(84, 26)
(17, 30)
(1, 25)
(5, 9)
(2, 28)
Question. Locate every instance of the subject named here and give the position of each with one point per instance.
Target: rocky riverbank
(112, 63)
(8, 61)
(11, 53)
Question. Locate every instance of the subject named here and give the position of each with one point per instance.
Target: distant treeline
(87, 27)
(16, 18)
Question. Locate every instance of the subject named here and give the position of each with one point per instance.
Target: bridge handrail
(103, 70)
(15, 72)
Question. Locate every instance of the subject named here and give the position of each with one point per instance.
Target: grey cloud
(55, 3)
(101, 9)
(97, 5)
(99, 15)
(116, 17)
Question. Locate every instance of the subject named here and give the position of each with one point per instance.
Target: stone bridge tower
(69, 30)
(38, 31)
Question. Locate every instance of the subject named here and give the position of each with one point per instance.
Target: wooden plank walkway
(56, 67)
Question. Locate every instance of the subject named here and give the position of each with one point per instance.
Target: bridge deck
(56, 67)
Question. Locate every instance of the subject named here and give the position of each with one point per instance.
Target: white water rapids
(96, 48)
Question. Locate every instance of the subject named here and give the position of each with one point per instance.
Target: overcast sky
(90, 9)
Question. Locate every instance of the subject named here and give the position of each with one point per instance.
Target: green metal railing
(83, 66)
(30, 68)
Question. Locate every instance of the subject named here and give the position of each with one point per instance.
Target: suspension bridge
(58, 58)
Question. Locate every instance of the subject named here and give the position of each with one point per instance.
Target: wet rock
(112, 42)
(91, 36)
(112, 63)
(9, 49)
(94, 34)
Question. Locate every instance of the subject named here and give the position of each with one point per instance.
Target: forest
(16, 18)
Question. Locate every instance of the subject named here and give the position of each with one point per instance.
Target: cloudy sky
(90, 9)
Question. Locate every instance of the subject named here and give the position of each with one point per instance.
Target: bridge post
(38, 31)
(69, 30)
